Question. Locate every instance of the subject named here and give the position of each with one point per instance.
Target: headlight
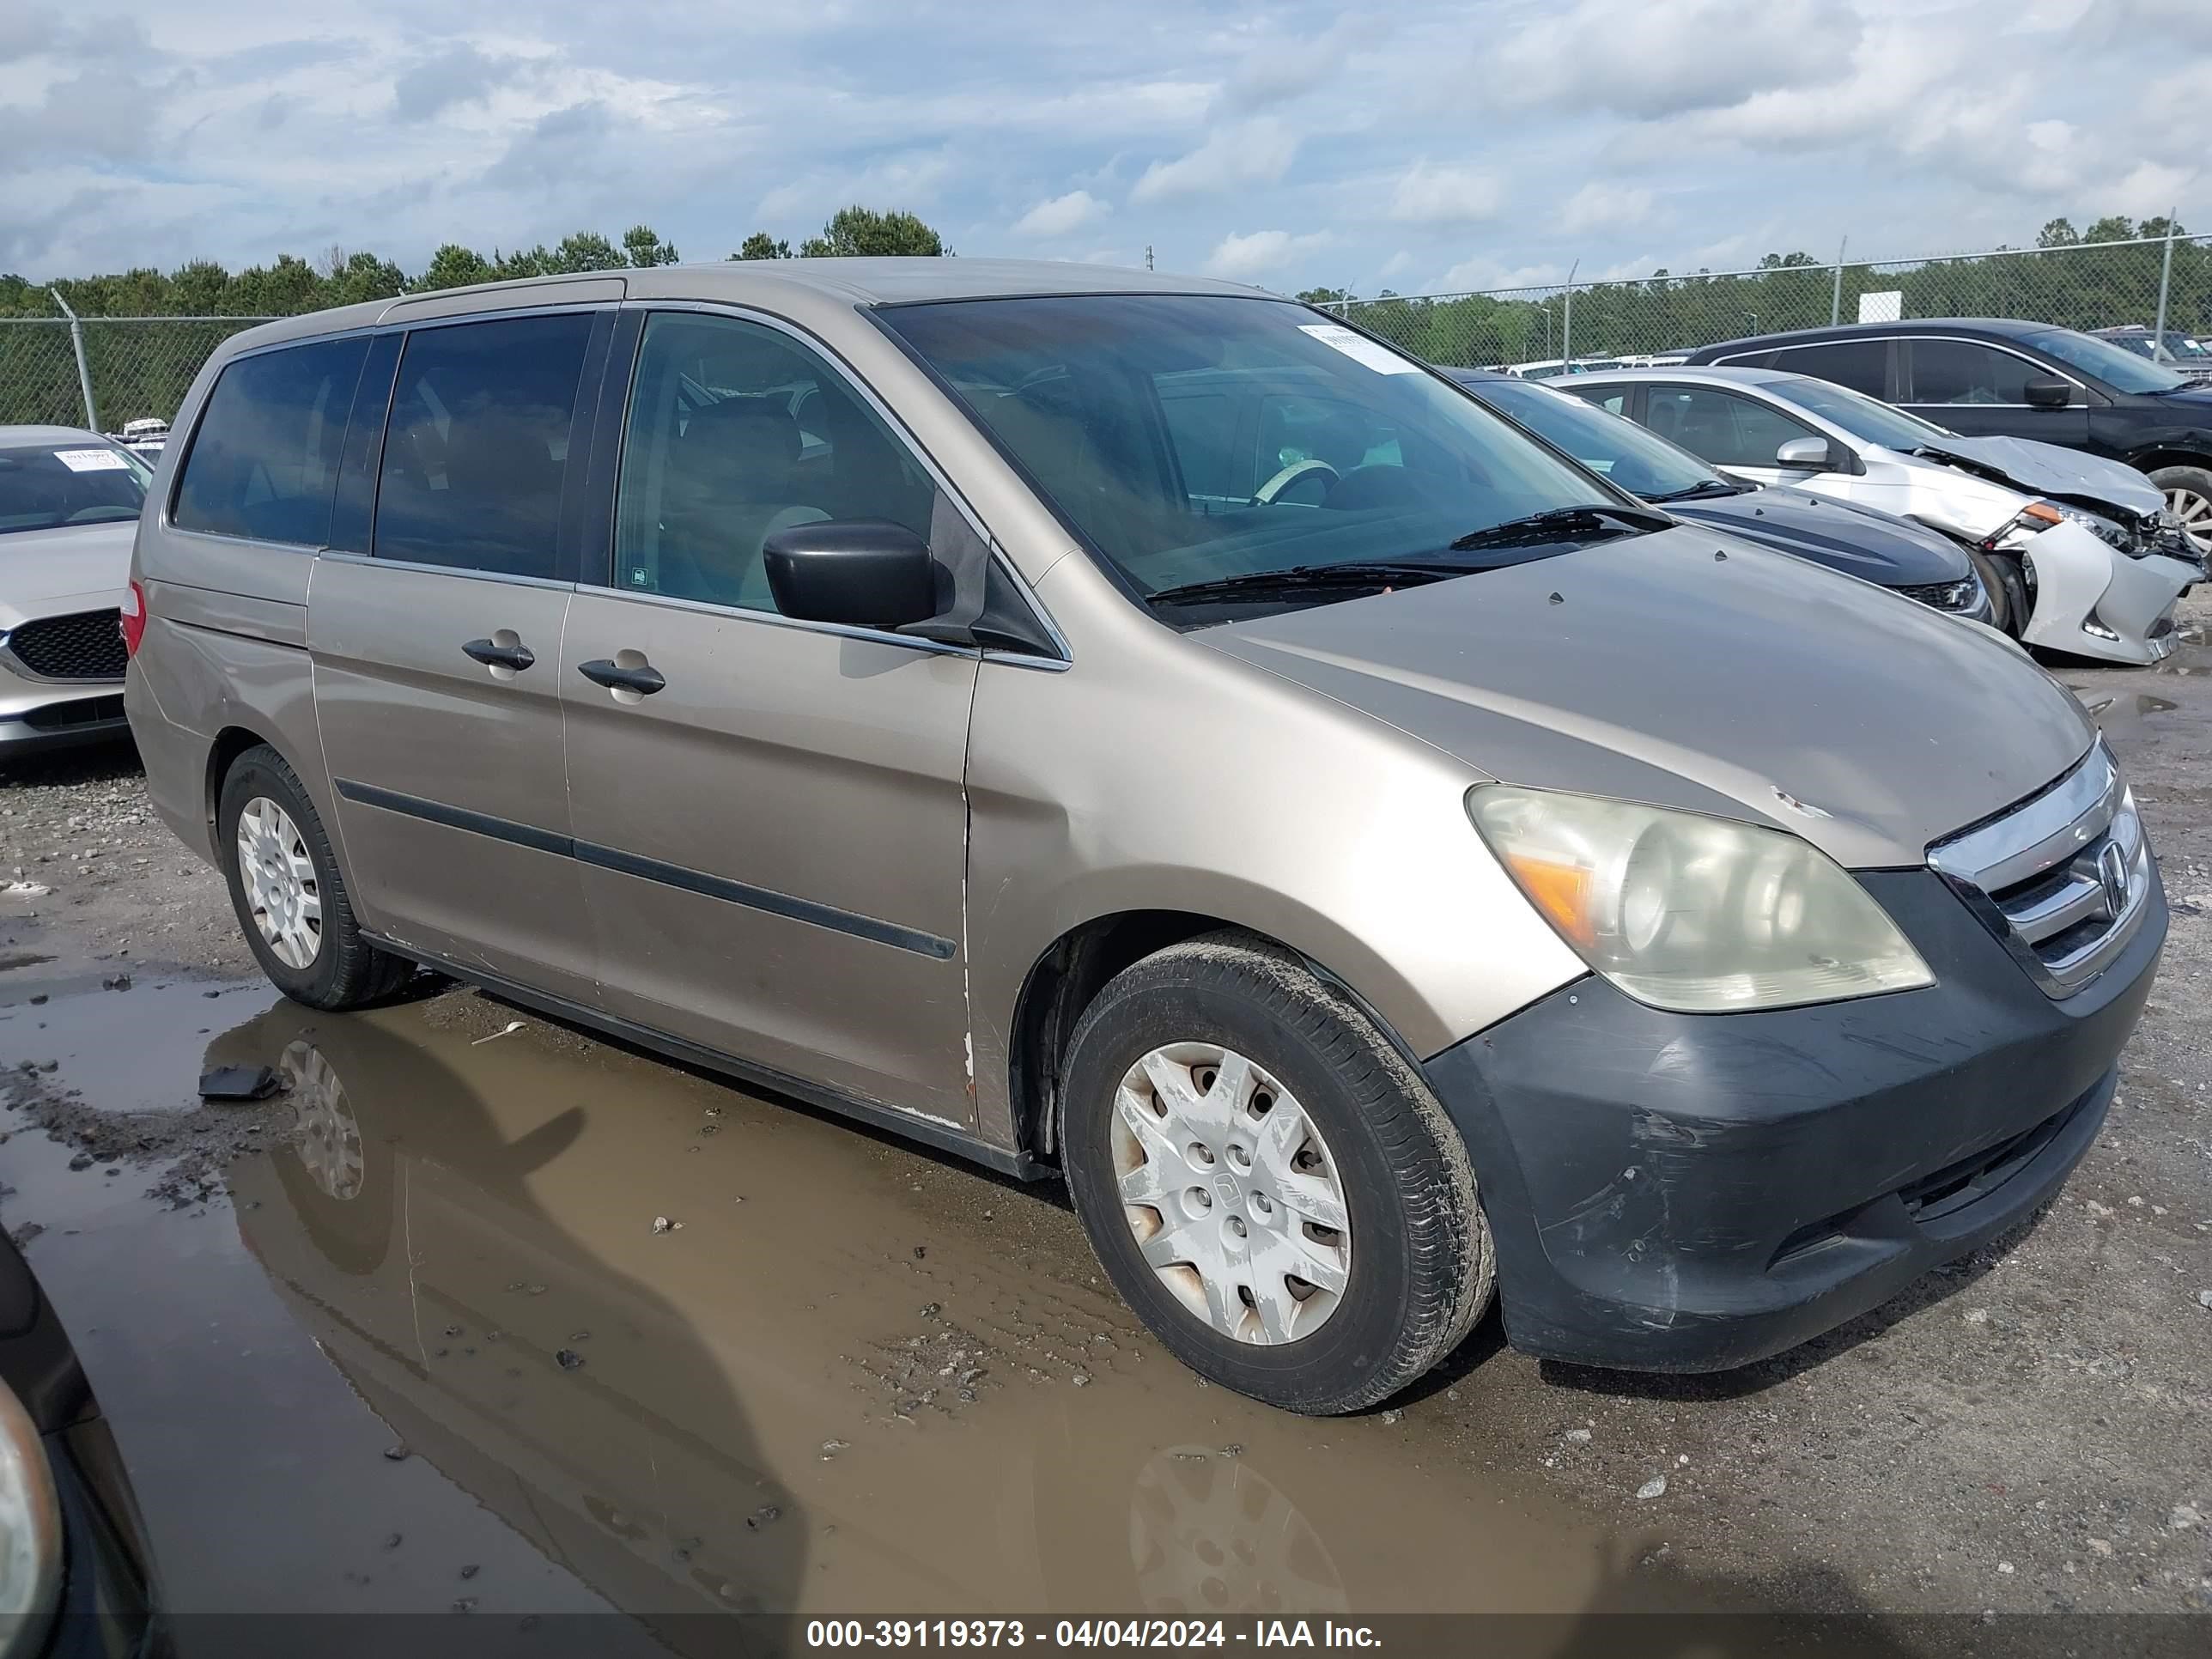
(30, 1529)
(1692, 913)
(2041, 515)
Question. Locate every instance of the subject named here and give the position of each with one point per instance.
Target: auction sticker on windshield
(1360, 349)
(91, 461)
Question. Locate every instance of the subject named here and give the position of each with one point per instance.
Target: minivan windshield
(1194, 440)
(1865, 418)
(2121, 370)
(44, 486)
(1639, 461)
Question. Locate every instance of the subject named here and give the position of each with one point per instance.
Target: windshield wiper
(1565, 523)
(1704, 487)
(1307, 578)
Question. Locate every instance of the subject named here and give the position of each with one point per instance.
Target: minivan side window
(736, 431)
(1862, 365)
(1966, 371)
(477, 448)
(265, 458)
(1720, 427)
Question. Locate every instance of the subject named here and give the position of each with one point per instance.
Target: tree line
(144, 368)
(2091, 288)
(291, 284)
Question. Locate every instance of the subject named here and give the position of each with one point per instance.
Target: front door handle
(644, 679)
(492, 654)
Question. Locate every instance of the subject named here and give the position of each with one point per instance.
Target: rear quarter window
(265, 458)
(1862, 365)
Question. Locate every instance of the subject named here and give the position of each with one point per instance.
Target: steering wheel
(1266, 494)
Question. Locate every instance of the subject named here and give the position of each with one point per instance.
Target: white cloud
(1443, 195)
(1242, 258)
(907, 182)
(1488, 140)
(1256, 152)
(1280, 67)
(1599, 205)
(1062, 215)
(1648, 60)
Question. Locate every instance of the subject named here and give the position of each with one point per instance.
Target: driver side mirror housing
(1808, 455)
(2047, 394)
(862, 573)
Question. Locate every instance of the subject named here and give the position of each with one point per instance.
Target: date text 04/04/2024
(946, 1635)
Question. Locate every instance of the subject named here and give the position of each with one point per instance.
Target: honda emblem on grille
(2112, 877)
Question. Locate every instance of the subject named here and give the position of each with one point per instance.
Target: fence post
(84, 374)
(1567, 321)
(2165, 281)
(1836, 298)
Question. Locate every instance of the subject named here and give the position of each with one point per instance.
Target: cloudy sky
(1421, 146)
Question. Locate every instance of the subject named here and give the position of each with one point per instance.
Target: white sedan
(2081, 552)
(69, 510)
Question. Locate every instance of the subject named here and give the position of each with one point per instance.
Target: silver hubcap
(282, 894)
(329, 1136)
(2195, 511)
(1231, 1193)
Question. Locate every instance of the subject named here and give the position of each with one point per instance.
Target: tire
(2003, 615)
(2008, 592)
(2188, 491)
(338, 969)
(1414, 1258)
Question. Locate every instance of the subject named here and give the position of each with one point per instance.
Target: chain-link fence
(135, 368)
(2086, 286)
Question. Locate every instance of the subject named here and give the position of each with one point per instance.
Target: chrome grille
(2060, 878)
(1962, 595)
(86, 645)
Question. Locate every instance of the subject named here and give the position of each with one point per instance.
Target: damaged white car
(2080, 554)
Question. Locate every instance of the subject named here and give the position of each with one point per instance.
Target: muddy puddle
(607, 1332)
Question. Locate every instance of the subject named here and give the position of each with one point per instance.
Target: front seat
(733, 481)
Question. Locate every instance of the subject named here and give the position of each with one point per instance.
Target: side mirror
(1806, 455)
(2047, 394)
(863, 573)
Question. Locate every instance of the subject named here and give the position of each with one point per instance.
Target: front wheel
(2188, 491)
(1268, 1183)
(2000, 581)
(291, 899)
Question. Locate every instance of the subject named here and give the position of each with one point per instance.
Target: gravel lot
(2030, 1431)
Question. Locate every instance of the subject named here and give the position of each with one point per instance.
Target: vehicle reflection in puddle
(840, 1385)
(2122, 714)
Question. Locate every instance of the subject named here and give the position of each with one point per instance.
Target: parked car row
(1994, 377)
(1890, 552)
(2079, 553)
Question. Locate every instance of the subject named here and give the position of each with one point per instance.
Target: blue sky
(1423, 147)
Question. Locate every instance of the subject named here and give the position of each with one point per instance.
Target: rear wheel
(1268, 1182)
(2188, 491)
(290, 900)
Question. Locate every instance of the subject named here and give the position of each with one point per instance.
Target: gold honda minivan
(1144, 732)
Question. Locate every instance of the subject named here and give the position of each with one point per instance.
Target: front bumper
(1690, 1193)
(88, 714)
(2094, 601)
